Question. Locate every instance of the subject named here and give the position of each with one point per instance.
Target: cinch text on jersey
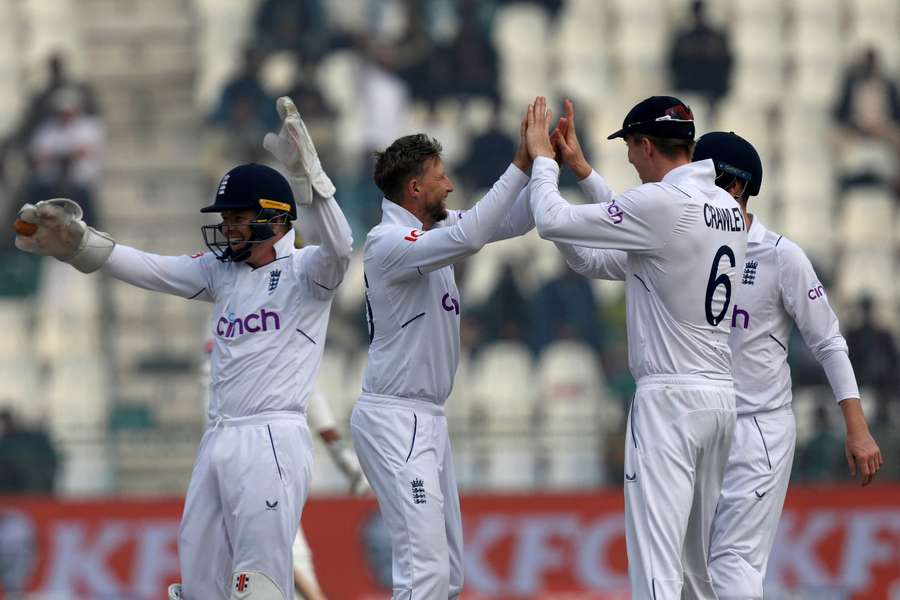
(252, 323)
(723, 219)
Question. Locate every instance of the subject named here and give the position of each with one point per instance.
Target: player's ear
(413, 188)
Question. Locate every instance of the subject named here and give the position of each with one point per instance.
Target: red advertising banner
(833, 542)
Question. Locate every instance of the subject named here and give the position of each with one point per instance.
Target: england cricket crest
(274, 278)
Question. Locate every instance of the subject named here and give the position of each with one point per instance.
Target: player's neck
(262, 254)
(419, 212)
(668, 164)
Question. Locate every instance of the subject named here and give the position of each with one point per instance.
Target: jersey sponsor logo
(615, 212)
(723, 219)
(418, 491)
(198, 255)
(274, 277)
(231, 326)
(739, 314)
(631, 478)
(816, 291)
(749, 277)
(414, 235)
(449, 303)
(271, 505)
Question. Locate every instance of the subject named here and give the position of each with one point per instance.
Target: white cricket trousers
(243, 503)
(404, 450)
(750, 504)
(677, 441)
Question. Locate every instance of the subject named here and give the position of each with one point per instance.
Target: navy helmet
(249, 187)
(734, 158)
(659, 116)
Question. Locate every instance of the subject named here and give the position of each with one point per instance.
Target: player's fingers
(873, 464)
(569, 109)
(851, 463)
(529, 116)
(28, 213)
(864, 468)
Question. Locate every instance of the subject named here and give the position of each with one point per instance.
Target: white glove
(346, 460)
(63, 235)
(294, 149)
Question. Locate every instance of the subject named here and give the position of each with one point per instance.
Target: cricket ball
(24, 228)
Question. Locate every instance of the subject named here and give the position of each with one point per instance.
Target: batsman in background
(272, 302)
(779, 288)
(322, 422)
(676, 241)
(398, 425)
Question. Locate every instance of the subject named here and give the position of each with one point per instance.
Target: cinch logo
(232, 326)
(615, 213)
(450, 303)
(740, 313)
(816, 292)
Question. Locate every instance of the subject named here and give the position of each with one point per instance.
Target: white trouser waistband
(422, 406)
(257, 419)
(684, 381)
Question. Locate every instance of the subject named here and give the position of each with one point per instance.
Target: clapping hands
(561, 144)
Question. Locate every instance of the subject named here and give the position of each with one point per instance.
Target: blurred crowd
(414, 55)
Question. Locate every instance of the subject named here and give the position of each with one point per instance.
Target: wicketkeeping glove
(63, 235)
(294, 149)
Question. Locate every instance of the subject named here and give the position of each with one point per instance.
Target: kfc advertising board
(834, 542)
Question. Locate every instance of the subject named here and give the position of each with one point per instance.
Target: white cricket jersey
(683, 240)
(269, 323)
(412, 302)
(778, 287)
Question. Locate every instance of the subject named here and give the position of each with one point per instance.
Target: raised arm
(595, 263)
(410, 253)
(640, 220)
(55, 228)
(185, 276)
(314, 193)
(636, 221)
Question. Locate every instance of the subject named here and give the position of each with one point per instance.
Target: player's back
(680, 289)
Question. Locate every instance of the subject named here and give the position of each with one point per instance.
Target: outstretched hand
(565, 142)
(536, 133)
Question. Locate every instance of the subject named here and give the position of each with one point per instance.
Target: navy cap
(659, 116)
(733, 155)
(253, 187)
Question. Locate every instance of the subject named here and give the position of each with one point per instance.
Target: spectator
(70, 142)
(297, 25)
(700, 58)
(28, 460)
(869, 104)
(474, 56)
(245, 95)
(40, 106)
(565, 308)
(868, 119)
(873, 354)
(487, 155)
(505, 314)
